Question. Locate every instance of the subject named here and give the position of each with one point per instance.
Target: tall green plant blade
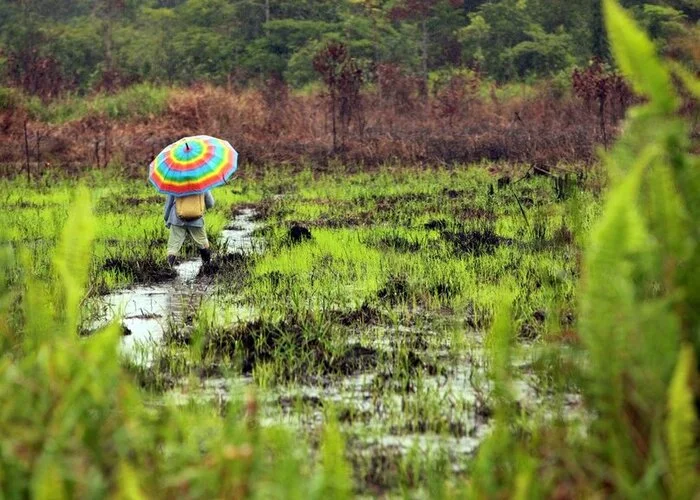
(681, 428)
(668, 219)
(47, 483)
(73, 255)
(636, 55)
(691, 82)
(129, 488)
(335, 479)
(610, 315)
(608, 299)
(498, 350)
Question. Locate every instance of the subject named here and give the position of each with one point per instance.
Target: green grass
(140, 101)
(130, 232)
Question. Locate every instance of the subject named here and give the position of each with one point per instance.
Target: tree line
(48, 47)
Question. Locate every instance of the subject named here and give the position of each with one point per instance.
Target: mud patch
(300, 347)
(365, 218)
(475, 242)
(141, 270)
(389, 202)
(364, 315)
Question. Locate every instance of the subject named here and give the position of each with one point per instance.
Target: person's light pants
(179, 233)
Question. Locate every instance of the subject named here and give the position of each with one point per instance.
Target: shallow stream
(146, 310)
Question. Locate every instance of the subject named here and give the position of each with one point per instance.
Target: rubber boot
(205, 253)
(171, 260)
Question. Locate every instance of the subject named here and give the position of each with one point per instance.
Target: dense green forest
(53, 46)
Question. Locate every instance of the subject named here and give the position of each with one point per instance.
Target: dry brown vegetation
(394, 122)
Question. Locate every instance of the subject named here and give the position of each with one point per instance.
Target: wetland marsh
(366, 296)
(458, 331)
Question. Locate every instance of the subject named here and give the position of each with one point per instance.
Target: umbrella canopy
(193, 165)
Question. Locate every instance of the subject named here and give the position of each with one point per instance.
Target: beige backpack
(190, 207)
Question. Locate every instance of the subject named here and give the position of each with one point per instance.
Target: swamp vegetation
(469, 331)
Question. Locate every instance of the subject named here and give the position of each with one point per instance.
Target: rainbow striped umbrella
(193, 165)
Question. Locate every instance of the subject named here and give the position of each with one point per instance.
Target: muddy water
(436, 413)
(146, 310)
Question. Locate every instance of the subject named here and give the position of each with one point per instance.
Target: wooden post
(26, 152)
(601, 118)
(335, 142)
(38, 152)
(105, 158)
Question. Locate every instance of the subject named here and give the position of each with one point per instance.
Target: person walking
(186, 171)
(183, 216)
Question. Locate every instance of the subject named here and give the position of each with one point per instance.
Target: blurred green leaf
(691, 82)
(74, 254)
(47, 483)
(681, 428)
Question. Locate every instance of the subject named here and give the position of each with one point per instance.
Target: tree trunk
(335, 144)
(38, 152)
(109, 64)
(601, 118)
